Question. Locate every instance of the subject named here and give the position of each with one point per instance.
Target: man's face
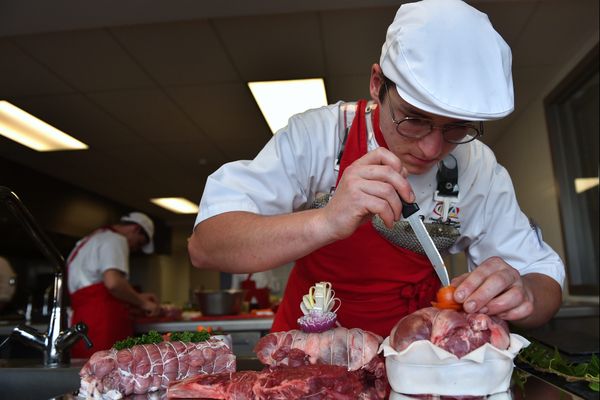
(417, 155)
(136, 238)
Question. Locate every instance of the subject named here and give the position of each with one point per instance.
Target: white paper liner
(497, 396)
(423, 368)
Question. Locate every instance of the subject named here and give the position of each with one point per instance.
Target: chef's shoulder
(317, 128)
(107, 239)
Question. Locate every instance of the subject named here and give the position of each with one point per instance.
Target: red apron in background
(257, 298)
(107, 318)
(377, 282)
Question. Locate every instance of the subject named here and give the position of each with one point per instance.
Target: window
(572, 113)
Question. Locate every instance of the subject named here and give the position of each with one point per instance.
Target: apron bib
(107, 318)
(378, 283)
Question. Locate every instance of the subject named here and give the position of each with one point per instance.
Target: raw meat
(454, 331)
(150, 367)
(312, 382)
(351, 348)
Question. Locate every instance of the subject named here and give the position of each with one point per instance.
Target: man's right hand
(150, 304)
(371, 185)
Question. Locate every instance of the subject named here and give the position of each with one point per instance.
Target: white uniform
(299, 162)
(103, 250)
(263, 279)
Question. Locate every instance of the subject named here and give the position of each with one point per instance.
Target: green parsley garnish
(155, 337)
(147, 338)
(193, 337)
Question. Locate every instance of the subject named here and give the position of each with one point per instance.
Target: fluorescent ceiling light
(24, 128)
(583, 184)
(178, 205)
(279, 100)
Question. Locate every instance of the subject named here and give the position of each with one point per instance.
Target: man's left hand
(495, 288)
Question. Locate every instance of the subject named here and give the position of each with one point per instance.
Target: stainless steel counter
(225, 325)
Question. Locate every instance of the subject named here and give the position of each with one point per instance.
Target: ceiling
(158, 89)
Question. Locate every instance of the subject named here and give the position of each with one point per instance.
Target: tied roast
(151, 367)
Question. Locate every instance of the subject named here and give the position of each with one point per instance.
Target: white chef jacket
(299, 163)
(103, 250)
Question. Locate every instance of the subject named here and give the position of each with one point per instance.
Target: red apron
(260, 297)
(377, 282)
(107, 318)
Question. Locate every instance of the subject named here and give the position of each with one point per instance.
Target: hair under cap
(146, 224)
(446, 58)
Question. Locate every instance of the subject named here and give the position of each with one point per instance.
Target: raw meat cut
(150, 367)
(351, 348)
(312, 382)
(455, 331)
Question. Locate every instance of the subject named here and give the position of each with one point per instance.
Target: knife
(409, 212)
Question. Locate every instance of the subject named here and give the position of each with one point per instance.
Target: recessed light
(178, 205)
(279, 100)
(22, 127)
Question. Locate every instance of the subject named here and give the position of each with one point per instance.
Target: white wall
(524, 149)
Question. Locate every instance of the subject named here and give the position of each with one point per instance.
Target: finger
(381, 164)
(510, 299)
(388, 194)
(456, 281)
(381, 156)
(521, 311)
(469, 283)
(490, 288)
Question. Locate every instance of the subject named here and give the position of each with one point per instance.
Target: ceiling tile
(178, 53)
(348, 87)
(353, 38)
(194, 156)
(22, 76)
(228, 115)
(274, 47)
(149, 113)
(88, 60)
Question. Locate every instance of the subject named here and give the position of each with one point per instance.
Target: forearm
(119, 287)
(241, 242)
(547, 298)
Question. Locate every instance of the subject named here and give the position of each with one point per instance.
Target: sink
(23, 379)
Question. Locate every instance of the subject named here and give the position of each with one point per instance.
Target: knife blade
(409, 212)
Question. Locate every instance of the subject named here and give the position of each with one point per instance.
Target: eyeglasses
(417, 127)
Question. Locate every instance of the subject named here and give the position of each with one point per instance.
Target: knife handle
(409, 209)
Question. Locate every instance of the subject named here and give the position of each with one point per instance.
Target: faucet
(58, 338)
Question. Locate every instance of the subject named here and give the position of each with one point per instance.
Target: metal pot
(220, 302)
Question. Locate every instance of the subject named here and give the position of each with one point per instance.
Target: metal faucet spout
(30, 336)
(57, 339)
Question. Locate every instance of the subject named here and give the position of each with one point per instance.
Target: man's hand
(496, 288)
(371, 185)
(150, 304)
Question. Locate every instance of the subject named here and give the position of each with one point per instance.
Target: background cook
(101, 295)
(443, 69)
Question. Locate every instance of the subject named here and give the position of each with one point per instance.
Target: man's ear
(375, 82)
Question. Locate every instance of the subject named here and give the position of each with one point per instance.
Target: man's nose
(432, 144)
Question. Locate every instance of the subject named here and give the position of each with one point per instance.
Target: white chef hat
(147, 225)
(446, 58)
